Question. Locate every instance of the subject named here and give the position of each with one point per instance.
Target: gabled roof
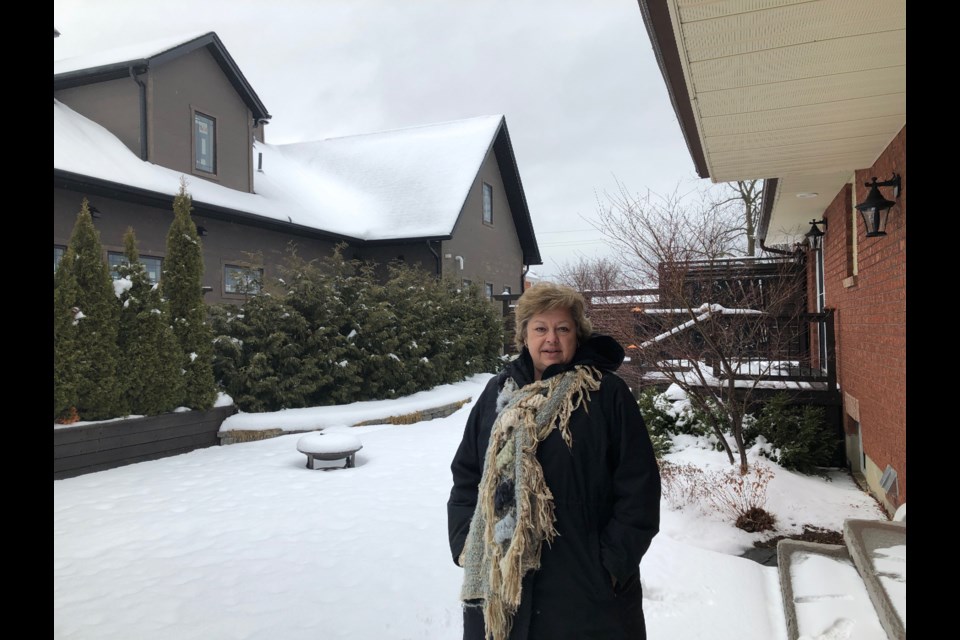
(805, 92)
(401, 185)
(117, 63)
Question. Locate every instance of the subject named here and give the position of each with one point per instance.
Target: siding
(225, 242)
(195, 81)
(114, 105)
(491, 253)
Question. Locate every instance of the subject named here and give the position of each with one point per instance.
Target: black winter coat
(607, 503)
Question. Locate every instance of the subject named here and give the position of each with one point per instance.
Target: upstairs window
(488, 288)
(57, 256)
(241, 280)
(487, 204)
(204, 143)
(150, 263)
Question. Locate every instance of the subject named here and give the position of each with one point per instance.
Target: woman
(556, 491)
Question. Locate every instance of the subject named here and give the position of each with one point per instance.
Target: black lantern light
(875, 209)
(815, 236)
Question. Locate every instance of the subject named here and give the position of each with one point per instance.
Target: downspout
(436, 256)
(143, 114)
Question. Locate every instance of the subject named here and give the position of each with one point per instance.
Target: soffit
(803, 91)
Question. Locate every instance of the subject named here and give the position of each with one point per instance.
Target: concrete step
(850, 591)
(879, 550)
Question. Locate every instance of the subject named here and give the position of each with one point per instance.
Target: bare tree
(743, 198)
(592, 274)
(724, 325)
(650, 229)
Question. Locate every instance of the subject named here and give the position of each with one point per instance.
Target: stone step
(879, 550)
(823, 593)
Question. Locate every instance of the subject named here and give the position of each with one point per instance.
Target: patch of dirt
(756, 519)
(810, 534)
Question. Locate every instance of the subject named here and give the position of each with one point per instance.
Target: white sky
(578, 83)
(244, 542)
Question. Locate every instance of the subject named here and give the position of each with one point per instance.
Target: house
(811, 98)
(130, 123)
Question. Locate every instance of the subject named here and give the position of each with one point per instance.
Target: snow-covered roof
(404, 183)
(393, 185)
(112, 64)
(401, 183)
(118, 55)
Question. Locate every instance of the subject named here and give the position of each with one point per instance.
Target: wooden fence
(106, 445)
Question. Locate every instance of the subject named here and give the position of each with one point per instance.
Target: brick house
(129, 124)
(811, 98)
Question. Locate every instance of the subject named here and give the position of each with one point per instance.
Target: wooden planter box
(95, 447)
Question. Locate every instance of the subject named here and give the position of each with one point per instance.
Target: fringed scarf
(515, 514)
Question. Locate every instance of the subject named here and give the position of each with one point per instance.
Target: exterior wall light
(876, 209)
(815, 236)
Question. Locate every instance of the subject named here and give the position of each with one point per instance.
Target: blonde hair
(547, 296)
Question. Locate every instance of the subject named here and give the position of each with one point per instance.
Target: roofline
(513, 186)
(656, 18)
(210, 41)
(77, 182)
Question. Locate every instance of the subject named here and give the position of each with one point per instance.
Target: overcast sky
(577, 80)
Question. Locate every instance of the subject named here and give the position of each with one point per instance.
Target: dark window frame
(488, 290)
(143, 260)
(486, 197)
(255, 284)
(196, 141)
(58, 258)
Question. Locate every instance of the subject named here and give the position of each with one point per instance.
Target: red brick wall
(871, 313)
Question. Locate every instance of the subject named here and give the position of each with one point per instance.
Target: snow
(328, 443)
(243, 541)
(831, 600)
(891, 566)
(139, 51)
(404, 183)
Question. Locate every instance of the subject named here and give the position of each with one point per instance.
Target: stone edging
(250, 435)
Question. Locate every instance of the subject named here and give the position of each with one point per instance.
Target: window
(506, 290)
(488, 287)
(465, 283)
(487, 204)
(241, 280)
(150, 263)
(57, 257)
(205, 143)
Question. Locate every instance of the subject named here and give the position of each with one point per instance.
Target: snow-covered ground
(245, 542)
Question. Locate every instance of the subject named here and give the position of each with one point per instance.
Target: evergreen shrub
(331, 331)
(799, 436)
(85, 328)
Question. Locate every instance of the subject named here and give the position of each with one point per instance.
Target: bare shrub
(683, 484)
(742, 496)
(739, 497)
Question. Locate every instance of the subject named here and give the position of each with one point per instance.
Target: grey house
(130, 124)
